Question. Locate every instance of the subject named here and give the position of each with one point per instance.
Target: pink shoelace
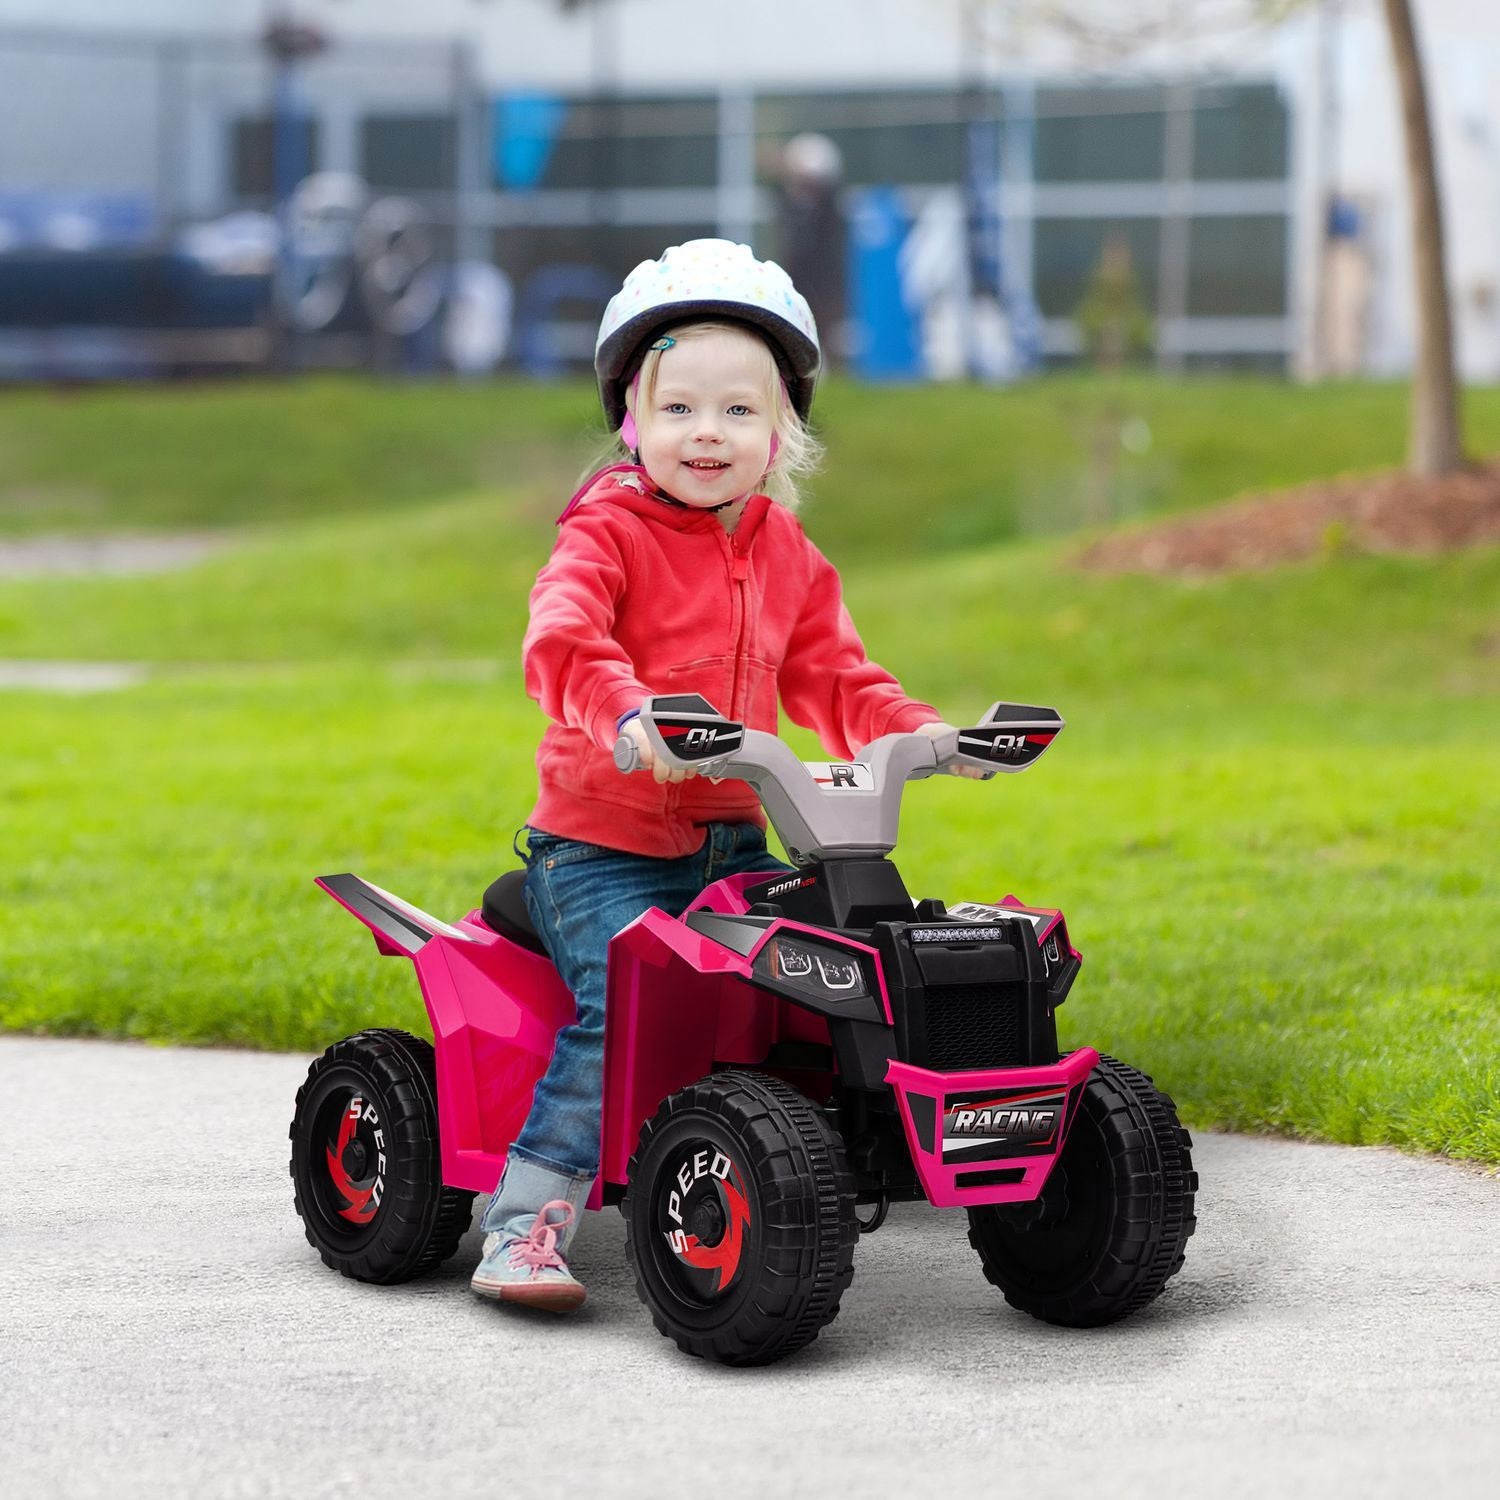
(538, 1247)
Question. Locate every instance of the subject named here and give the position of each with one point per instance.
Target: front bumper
(990, 1136)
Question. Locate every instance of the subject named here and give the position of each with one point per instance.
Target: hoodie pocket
(711, 677)
(745, 691)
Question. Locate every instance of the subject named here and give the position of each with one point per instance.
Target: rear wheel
(1111, 1225)
(740, 1219)
(366, 1173)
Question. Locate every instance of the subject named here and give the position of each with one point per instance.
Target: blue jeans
(579, 896)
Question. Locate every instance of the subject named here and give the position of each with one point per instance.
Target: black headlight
(818, 970)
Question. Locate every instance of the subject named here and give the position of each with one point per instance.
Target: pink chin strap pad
(630, 434)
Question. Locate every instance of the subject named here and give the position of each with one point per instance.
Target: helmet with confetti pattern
(706, 279)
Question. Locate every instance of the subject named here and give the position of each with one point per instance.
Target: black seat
(504, 909)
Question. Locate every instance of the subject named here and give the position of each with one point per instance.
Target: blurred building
(1254, 174)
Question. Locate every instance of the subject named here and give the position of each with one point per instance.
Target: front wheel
(366, 1174)
(739, 1219)
(1112, 1222)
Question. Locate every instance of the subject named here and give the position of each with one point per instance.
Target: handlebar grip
(953, 770)
(627, 754)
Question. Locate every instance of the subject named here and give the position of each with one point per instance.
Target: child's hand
(659, 768)
(935, 731)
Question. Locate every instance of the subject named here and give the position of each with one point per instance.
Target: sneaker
(527, 1268)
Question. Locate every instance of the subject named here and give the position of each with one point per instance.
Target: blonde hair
(798, 452)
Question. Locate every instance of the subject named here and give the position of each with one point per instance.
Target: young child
(672, 573)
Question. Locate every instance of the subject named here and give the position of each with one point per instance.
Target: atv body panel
(694, 994)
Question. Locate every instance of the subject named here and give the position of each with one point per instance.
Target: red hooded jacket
(643, 597)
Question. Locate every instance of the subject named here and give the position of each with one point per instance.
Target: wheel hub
(706, 1222)
(355, 1182)
(702, 1214)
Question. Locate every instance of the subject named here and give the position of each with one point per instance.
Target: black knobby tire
(752, 1170)
(366, 1171)
(1113, 1221)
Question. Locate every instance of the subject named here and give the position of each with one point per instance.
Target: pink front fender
(665, 987)
(979, 1138)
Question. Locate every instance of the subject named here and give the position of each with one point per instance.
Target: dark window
(1067, 252)
(1239, 134)
(1240, 363)
(1237, 267)
(407, 153)
(252, 162)
(1099, 135)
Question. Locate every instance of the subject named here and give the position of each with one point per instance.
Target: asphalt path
(165, 1330)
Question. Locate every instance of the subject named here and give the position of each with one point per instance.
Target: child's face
(707, 437)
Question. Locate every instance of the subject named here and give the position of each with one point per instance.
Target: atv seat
(504, 910)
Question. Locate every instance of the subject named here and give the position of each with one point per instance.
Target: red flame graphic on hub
(725, 1256)
(360, 1209)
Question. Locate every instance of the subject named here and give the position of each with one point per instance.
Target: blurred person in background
(813, 233)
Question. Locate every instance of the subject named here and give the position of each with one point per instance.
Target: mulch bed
(1394, 512)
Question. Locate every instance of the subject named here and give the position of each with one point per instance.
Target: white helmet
(711, 279)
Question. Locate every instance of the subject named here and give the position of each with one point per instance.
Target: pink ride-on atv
(789, 1049)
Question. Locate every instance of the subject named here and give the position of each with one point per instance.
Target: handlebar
(853, 807)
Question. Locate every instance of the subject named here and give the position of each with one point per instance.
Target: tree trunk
(1436, 446)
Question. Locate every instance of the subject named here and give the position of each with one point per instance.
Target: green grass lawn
(1272, 820)
(938, 466)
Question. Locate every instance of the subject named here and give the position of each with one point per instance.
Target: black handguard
(1011, 737)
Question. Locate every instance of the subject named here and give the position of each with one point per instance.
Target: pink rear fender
(495, 1009)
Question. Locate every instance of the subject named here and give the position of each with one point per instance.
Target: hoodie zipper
(739, 574)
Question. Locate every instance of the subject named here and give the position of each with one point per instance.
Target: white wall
(661, 44)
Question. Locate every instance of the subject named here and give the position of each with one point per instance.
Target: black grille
(973, 1026)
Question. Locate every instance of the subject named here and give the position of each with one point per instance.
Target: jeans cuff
(525, 1186)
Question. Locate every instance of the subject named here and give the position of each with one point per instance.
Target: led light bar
(993, 933)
